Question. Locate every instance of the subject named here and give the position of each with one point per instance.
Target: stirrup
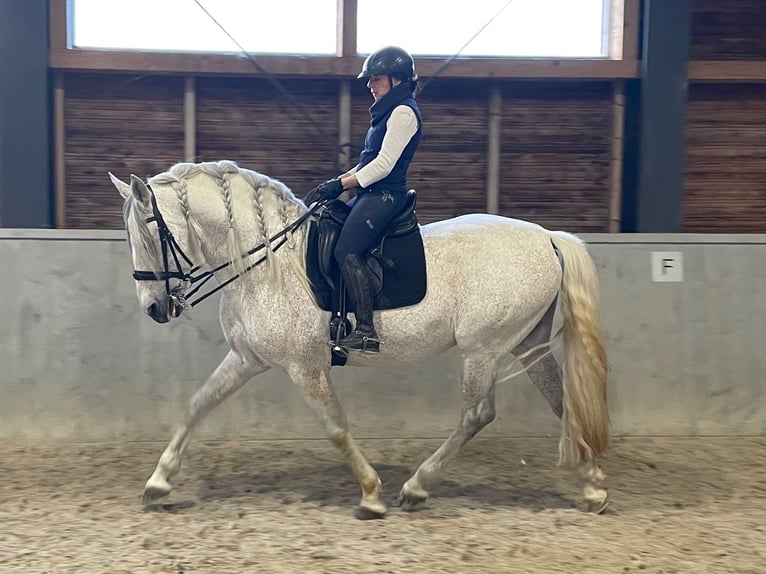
(359, 341)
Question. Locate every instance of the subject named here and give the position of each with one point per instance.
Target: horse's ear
(121, 186)
(140, 192)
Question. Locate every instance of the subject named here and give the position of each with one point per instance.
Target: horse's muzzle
(165, 311)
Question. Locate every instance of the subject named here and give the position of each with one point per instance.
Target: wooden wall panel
(728, 30)
(554, 158)
(123, 124)
(449, 169)
(250, 122)
(555, 154)
(725, 173)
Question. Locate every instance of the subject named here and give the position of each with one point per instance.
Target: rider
(380, 179)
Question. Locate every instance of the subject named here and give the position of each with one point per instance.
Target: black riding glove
(329, 189)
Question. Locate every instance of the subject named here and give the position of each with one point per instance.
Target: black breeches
(371, 212)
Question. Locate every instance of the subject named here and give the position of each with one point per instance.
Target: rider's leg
(370, 214)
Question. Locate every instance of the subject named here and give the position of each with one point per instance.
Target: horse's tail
(585, 419)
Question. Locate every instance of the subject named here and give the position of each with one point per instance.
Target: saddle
(396, 263)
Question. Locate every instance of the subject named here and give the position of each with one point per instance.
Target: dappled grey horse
(493, 287)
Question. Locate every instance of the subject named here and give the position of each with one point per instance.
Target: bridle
(170, 248)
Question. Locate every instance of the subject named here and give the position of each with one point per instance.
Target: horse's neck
(254, 223)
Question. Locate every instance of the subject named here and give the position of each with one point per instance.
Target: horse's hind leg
(545, 374)
(320, 395)
(478, 410)
(230, 375)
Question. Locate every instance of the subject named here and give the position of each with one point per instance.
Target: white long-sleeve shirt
(402, 124)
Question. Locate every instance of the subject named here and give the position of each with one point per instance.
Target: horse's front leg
(230, 375)
(320, 395)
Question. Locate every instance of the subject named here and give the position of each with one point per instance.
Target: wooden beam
(614, 29)
(624, 23)
(615, 162)
(190, 119)
(59, 150)
(727, 71)
(201, 64)
(494, 134)
(344, 126)
(58, 25)
(631, 30)
(346, 28)
(331, 66)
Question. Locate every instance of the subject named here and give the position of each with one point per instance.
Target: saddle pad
(404, 283)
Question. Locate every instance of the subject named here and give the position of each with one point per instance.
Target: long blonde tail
(585, 420)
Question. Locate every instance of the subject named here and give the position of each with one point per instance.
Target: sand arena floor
(678, 505)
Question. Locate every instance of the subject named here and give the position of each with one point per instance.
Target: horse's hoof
(364, 513)
(152, 495)
(155, 490)
(410, 502)
(598, 507)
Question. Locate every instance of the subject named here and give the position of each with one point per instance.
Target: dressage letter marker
(667, 266)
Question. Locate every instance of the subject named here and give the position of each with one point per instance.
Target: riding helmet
(389, 61)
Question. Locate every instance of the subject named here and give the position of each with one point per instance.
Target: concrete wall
(79, 361)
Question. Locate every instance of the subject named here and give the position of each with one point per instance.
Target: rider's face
(380, 85)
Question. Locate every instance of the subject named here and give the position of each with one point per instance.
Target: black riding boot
(363, 337)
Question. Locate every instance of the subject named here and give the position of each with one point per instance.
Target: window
(525, 28)
(259, 26)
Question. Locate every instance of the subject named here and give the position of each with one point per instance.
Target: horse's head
(158, 248)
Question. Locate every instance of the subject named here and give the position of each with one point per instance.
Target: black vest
(396, 181)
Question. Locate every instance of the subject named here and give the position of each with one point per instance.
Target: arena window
(278, 27)
(523, 28)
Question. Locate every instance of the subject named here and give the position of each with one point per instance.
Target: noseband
(170, 246)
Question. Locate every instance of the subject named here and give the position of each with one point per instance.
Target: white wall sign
(667, 266)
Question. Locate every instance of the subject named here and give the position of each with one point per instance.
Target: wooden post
(190, 119)
(59, 155)
(615, 164)
(344, 125)
(493, 148)
(631, 14)
(345, 44)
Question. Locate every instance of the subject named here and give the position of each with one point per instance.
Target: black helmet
(389, 61)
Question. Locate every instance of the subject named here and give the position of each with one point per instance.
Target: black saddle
(396, 262)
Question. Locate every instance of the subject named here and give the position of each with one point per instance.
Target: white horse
(493, 285)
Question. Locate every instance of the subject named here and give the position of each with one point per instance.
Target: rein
(168, 244)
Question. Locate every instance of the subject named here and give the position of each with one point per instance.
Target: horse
(494, 284)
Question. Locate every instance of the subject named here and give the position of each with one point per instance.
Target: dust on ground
(679, 505)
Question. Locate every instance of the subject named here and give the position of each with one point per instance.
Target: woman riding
(380, 180)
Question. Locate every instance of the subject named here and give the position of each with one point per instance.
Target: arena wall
(80, 361)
